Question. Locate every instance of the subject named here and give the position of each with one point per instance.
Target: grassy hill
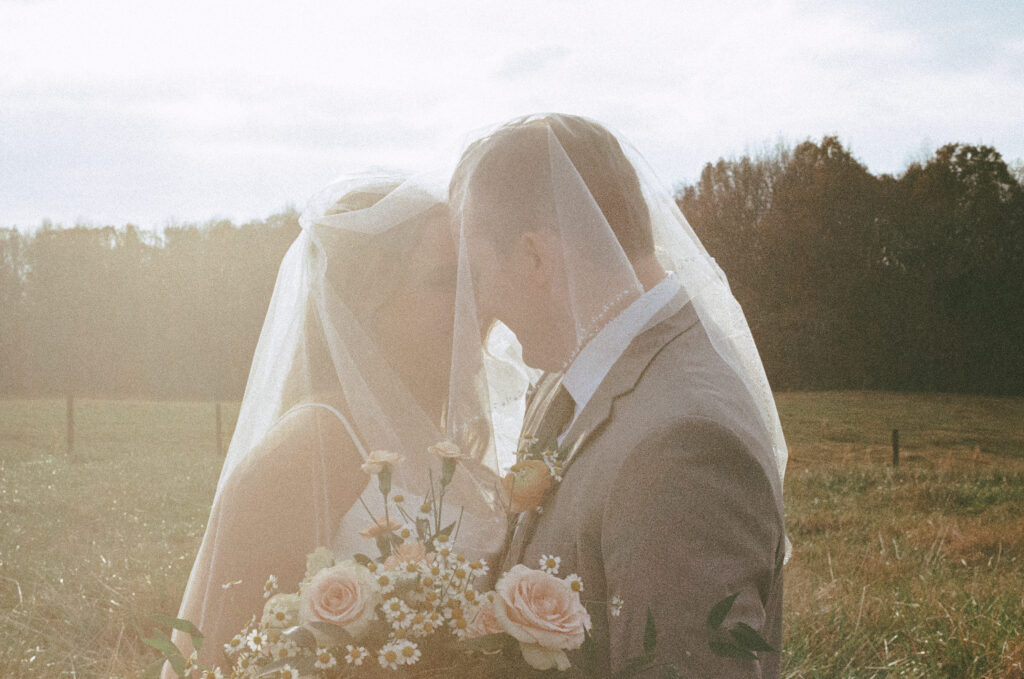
(910, 572)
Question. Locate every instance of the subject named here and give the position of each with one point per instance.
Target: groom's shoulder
(687, 391)
(686, 376)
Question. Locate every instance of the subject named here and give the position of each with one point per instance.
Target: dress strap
(337, 413)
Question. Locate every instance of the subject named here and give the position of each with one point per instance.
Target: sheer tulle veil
(539, 184)
(333, 377)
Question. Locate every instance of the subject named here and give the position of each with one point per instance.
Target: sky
(186, 111)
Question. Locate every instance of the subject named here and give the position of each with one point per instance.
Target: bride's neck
(431, 399)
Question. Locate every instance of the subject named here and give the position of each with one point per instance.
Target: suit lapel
(676, 318)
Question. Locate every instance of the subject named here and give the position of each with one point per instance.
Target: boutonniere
(536, 474)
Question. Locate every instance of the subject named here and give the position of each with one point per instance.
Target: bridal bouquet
(415, 610)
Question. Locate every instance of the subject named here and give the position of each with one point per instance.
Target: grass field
(913, 572)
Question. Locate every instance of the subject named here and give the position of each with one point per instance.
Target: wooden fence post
(895, 447)
(220, 449)
(71, 424)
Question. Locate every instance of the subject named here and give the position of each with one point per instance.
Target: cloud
(193, 109)
(529, 62)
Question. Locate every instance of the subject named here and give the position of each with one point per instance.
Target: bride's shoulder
(305, 432)
(310, 421)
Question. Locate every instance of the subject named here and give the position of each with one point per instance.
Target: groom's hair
(507, 167)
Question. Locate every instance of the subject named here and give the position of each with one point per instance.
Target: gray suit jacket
(670, 501)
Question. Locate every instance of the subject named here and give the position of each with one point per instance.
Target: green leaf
(650, 634)
(153, 670)
(301, 636)
(181, 625)
(447, 530)
(362, 559)
(170, 651)
(334, 634)
(725, 649)
(487, 643)
(384, 480)
(749, 638)
(162, 643)
(423, 529)
(589, 648)
(718, 612)
(447, 471)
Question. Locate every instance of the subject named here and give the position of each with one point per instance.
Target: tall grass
(912, 572)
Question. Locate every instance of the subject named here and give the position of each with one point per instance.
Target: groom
(669, 500)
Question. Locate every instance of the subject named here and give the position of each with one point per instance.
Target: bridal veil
(354, 356)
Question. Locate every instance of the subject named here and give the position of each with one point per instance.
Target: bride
(354, 356)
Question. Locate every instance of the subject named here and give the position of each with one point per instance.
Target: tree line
(849, 281)
(126, 312)
(856, 281)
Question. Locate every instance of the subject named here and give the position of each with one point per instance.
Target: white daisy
(256, 640)
(397, 612)
(270, 586)
(575, 582)
(459, 624)
(615, 605)
(469, 596)
(408, 651)
(550, 564)
(389, 657)
(235, 645)
(284, 649)
(324, 659)
(355, 655)
(386, 580)
(288, 672)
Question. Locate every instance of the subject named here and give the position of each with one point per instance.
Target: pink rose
(542, 613)
(484, 621)
(407, 551)
(345, 595)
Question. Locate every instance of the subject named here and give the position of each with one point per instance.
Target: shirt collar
(585, 374)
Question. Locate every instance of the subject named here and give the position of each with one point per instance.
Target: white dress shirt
(586, 372)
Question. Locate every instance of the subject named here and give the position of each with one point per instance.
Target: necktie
(555, 407)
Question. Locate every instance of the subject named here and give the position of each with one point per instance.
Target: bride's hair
(364, 273)
(508, 165)
(364, 269)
